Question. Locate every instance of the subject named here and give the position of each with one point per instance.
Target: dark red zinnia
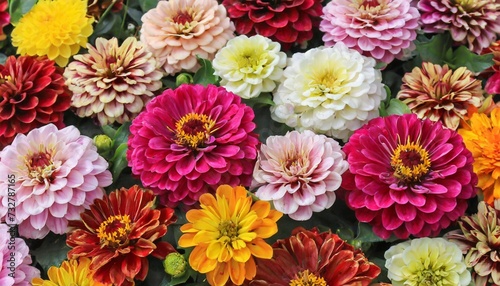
(285, 21)
(118, 233)
(32, 94)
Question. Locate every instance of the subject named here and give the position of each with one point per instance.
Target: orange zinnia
(227, 232)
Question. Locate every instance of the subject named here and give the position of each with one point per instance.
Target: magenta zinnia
(192, 139)
(379, 29)
(408, 176)
(309, 257)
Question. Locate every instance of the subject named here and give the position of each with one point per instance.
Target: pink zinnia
(381, 29)
(408, 176)
(20, 262)
(299, 172)
(57, 174)
(4, 17)
(192, 139)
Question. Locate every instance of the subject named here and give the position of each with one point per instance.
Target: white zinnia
(249, 66)
(426, 261)
(331, 91)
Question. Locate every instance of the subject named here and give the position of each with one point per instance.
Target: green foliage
(205, 75)
(17, 8)
(52, 252)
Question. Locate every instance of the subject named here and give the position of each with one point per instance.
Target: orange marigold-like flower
(71, 272)
(118, 233)
(441, 94)
(227, 233)
(481, 137)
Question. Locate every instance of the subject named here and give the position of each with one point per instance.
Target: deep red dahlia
(285, 21)
(32, 94)
(191, 140)
(118, 233)
(408, 176)
(318, 258)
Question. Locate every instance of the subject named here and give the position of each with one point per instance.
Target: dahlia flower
(96, 8)
(249, 66)
(426, 261)
(493, 83)
(227, 233)
(472, 23)
(299, 172)
(441, 94)
(57, 174)
(382, 29)
(53, 28)
(72, 272)
(177, 31)
(113, 83)
(478, 239)
(118, 234)
(286, 22)
(192, 139)
(407, 176)
(4, 17)
(481, 136)
(32, 94)
(14, 255)
(331, 91)
(314, 257)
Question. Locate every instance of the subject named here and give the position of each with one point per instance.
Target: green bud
(175, 264)
(103, 143)
(183, 78)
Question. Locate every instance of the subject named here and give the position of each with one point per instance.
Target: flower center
(466, 5)
(193, 129)
(41, 167)
(182, 18)
(305, 278)
(410, 162)
(114, 231)
(228, 228)
(184, 21)
(430, 277)
(5, 78)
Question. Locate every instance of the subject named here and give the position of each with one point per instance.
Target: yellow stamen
(410, 161)
(193, 129)
(305, 278)
(114, 230)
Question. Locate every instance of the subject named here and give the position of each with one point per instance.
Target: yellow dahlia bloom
(227, 232)
(481, 137)
(55, 28)
(73, 272)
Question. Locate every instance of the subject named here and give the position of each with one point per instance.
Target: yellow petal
(260, 249)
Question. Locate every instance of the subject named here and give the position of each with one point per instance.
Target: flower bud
(103, 143)
(183, 78)
(175, 264)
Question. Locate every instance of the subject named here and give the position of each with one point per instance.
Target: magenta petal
(185, 165)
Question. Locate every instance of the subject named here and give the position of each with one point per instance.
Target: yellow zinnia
(73, 272)
(227, 232)
(482, 138)
(53, 28)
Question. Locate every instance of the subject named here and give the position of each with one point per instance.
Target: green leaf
(121, 135)
(205, 75)
(396, 106)
(147, 5)
(17, 8)
(365, 233)
(436, 49)
(52, 252)
(136, 15)
(108, 130)
(106, 26)
(463, 57)
(264, 99)
(119, 161)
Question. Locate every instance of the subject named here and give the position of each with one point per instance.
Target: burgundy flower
(4, 17)
(32, 94)
(285, 21)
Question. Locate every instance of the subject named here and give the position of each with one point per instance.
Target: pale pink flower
(177, 31)
(56, 174)
(299, 172)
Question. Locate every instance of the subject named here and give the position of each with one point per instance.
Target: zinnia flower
(331, 91)
(473, 23)
(382, 29)
(309, 257)
(177, 31)
(15, 260)
(72, 272)
(97, 7)
(4, 17)
(249, 66)
(299, 172)
(408, 176)
(118, 233)
(227, 233)
(441, 94)
(493, 83)
(192, 139)
(53, 28)
(113, 83)
(57, 173)
(478, 238)
(481, 137)
(287, 22)
(32, 94)
(426, 261)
